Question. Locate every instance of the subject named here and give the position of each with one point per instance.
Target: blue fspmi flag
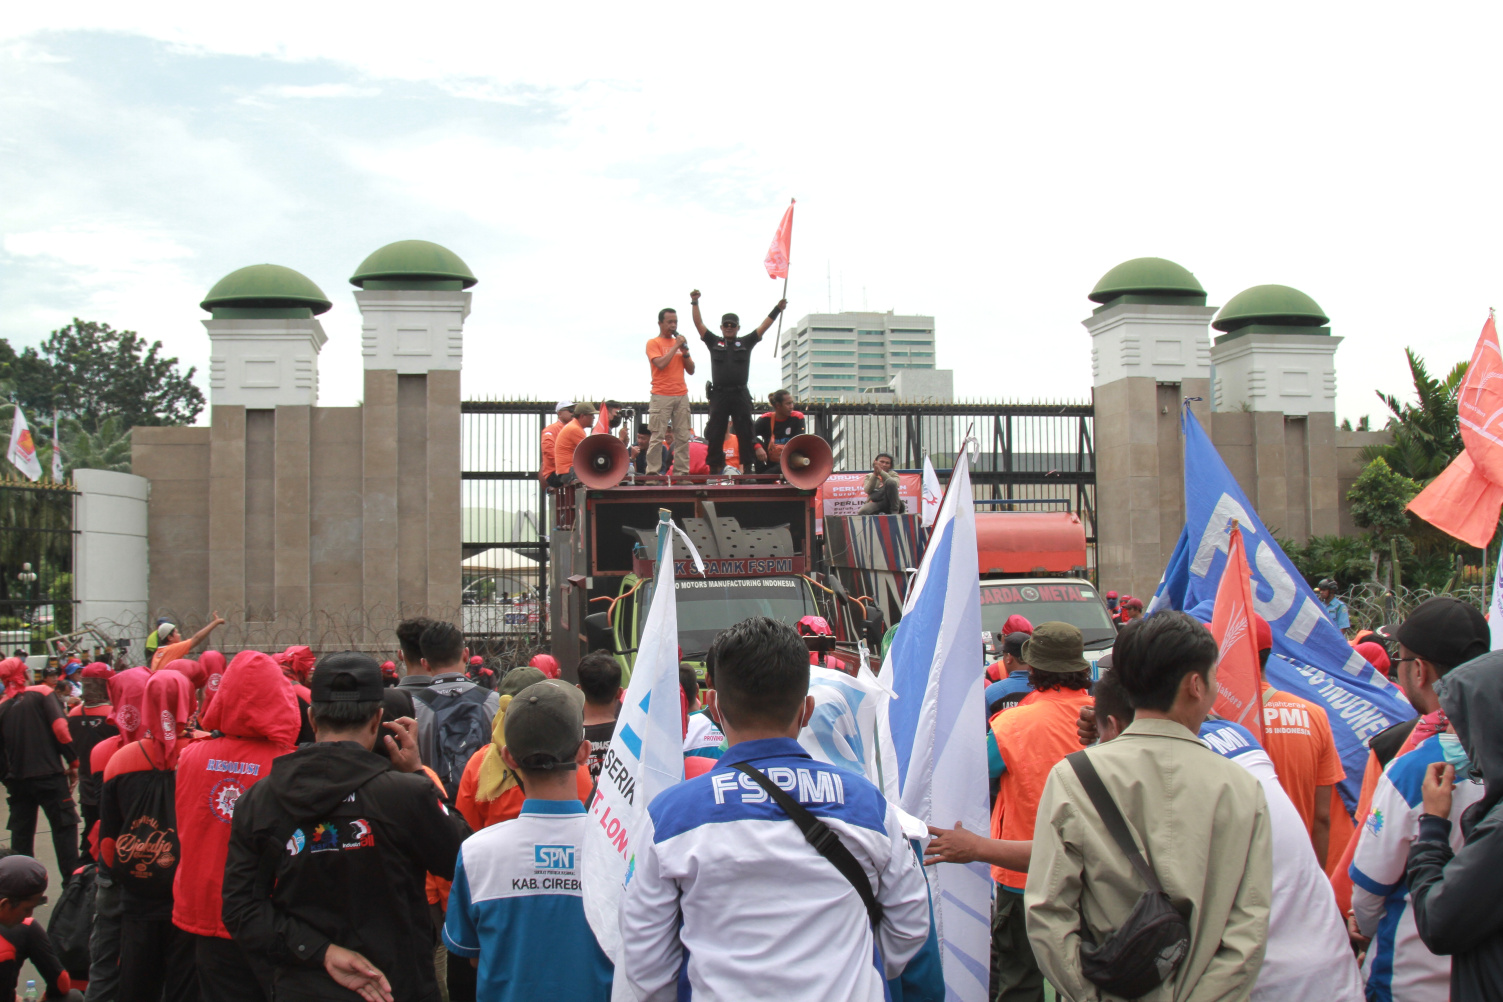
(938, 723)
(1321, 666)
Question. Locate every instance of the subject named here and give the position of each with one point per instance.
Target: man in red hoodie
(252, 719)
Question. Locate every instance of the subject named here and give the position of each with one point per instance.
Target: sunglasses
(729, 326)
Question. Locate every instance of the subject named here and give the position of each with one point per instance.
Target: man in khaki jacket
(1199, 819)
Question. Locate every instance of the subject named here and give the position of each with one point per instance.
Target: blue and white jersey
(1399, 967)
(724, 875)
(703, 739)
(516, 905)
(1309, 958)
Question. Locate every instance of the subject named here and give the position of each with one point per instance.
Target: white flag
(938, 725)
(932, 493)
(1495, 611)
(22, 451)
(646, 755)
(57, 452)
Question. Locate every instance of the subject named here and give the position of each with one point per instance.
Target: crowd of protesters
(280, 826)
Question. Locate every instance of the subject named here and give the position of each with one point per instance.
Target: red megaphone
(807, 461)
(600, 461)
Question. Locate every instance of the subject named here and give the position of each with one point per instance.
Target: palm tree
(1426, 435)
(105, 449)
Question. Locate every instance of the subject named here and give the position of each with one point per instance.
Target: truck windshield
(707, 607)
(1044, 602)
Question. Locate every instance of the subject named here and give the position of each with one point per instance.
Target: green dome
(1148, 277)
(1274, 305)
(266, 287)
(413, 264)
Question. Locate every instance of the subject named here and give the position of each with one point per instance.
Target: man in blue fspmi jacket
(762, 912)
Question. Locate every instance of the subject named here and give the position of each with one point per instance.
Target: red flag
(782, 246)
(1465, 500)
(602, 422)
(1239, 682)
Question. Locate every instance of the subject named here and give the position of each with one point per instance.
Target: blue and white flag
(1315, 661)
(938, 725)
(1171, 590)
(645, 758)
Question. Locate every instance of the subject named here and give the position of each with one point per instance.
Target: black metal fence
(36, 564)
(1024, 456)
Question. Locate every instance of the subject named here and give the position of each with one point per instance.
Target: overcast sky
(592, 163)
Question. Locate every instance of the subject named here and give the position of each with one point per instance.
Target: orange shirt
(1032, 738)
(669, 380)
(550, 435)
(563, 447)
(170, 653)
(1297, 737)
(484, 813)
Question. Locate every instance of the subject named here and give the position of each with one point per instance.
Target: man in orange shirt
(1031, 738)
(173, 646)
(565, 410)
(668, 354)
(1297, 737)
(568, 440)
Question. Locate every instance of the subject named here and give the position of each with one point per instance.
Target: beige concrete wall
(310, 524)
(1295, 469)
(176, 461)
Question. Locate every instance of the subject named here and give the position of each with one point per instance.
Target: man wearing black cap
(1009, 690)
(730, 400)
(328, 854)
(23, 889)
(511, 874)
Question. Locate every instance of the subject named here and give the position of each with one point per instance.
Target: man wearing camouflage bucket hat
(1031, 737)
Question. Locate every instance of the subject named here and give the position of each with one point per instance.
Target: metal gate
(1025, 457)
(36, 564)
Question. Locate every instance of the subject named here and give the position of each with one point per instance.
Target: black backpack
(72, 922)
(461, 727)
(147, 849)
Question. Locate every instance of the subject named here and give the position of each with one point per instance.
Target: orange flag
(782, 246)
(602, 422)
(1239, 683)
(1466, 499)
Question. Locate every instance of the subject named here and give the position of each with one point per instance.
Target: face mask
(1450, 747)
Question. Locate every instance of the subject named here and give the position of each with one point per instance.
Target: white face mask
(1456, 757)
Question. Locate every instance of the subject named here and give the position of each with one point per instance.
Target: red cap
(477, 660)
(98, 670)
(1111, 594)
(389, 669)
(545, 663)
(1017, 624)
(814, 626)
(1263, 631)
(1374, 654)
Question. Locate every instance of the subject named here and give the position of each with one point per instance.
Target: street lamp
(28, 579)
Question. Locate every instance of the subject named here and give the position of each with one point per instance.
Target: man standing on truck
(730, 365)
(668, 354)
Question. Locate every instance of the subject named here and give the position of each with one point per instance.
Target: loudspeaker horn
(807, 461)
(600, 461)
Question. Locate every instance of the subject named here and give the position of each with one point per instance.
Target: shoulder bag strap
(824, 840)
(1111, 816)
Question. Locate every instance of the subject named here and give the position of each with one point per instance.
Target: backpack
(72, 921)
(460, 727)
(147, 848)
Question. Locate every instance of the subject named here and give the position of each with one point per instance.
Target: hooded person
(191, 670)
(1455, 891)
(125, 691)
(213, 665)
(545, 663)
(13, 675)
(89, 723)
(488, 790)
(328, 855)
(297, 665)
(255, 722)
(139, 842)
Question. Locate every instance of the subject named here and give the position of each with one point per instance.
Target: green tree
(1426, 434)
(105, 449)
(1346, 558)
(1379, 500)
(91, 372)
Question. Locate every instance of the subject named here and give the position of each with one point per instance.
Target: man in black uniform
(730, 400)
(775, 428)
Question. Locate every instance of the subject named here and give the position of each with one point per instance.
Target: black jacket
(333, 847)
(1455, 897)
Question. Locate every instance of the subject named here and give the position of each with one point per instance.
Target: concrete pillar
(1149, 350)
(1274, 353)
(111, 558)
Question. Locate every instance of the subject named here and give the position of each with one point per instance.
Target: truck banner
(742, 566)
(842, 495)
